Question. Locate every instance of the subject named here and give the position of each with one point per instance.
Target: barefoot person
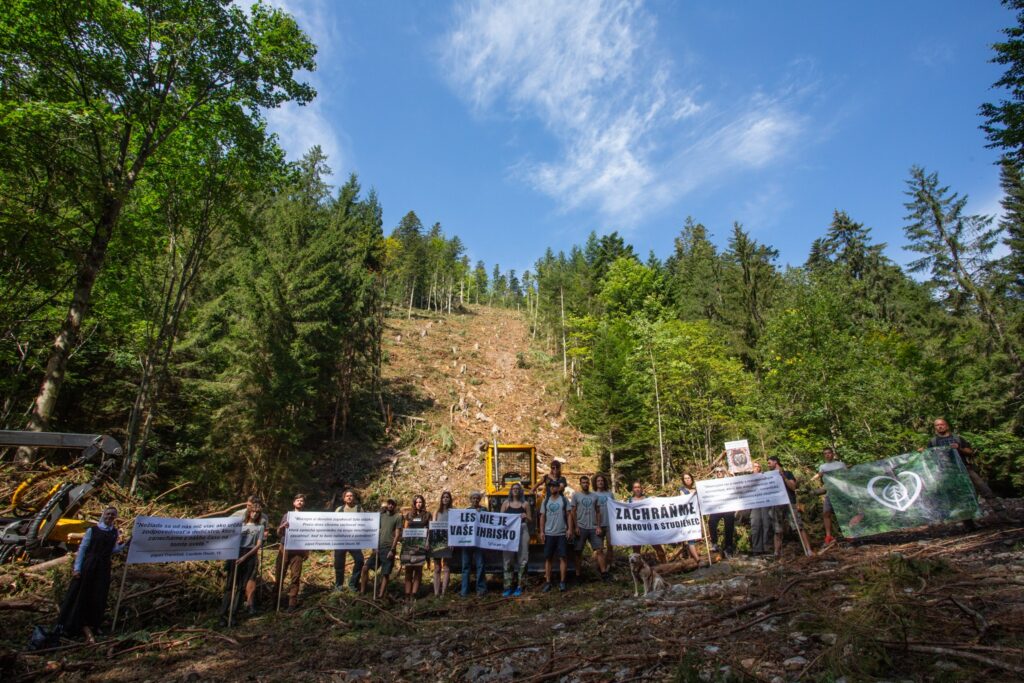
(514, 563)
(240, 583)
(86, 600)
(440, 552)
(414, 550)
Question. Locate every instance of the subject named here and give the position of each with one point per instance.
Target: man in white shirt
(830, 464)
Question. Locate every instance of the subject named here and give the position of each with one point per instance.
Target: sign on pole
(332, 530)
(745, 492)
(737, 455)
(909, 490)
(483, 529)
(654, 520)
(166, 539)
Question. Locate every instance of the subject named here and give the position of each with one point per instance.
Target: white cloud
(298, 128)
(632, 140)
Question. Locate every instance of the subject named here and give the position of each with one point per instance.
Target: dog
(644, 573)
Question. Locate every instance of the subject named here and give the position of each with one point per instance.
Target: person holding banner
(689, 487)
(779, 511)
(86, 600)
(348, 505)
(474, 555)
(514, 563)
(638, 495)
(730, 524)
(555, 529)
(944, 437)
(382, 560)
(243, 572)
(553, 478)
(414, 550)
(289, 562)
(760, 524)
(440, 552)
(827, 514)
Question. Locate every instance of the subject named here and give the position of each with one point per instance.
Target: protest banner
(165, 539)
(438, 536)
(483, 529)
(745, 492)
(332, 530)
(905, 491)
(737, 456)
(654, 520)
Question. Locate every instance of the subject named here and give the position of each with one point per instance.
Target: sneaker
(561, 587)
(546, 588)
(517, 593)
(507, 593)
(338, 588)
(714, 548)
(829, 540)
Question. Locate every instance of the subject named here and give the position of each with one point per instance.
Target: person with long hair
(440, 552)
(689, 487)
(604, 496)
(86, 600)
(638, 494)
(415, 552)
(243, 572)
(514, 562)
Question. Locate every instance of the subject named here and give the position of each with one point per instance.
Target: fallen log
(27, 605)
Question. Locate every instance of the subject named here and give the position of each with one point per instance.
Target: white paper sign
(737, 455)
(654, 520)
(746, 492)
(483, 529)
(166, 539)
(332, 530)
(413, 533)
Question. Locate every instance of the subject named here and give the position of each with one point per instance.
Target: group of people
(564, 525)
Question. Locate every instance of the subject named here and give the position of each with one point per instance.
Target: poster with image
(738, 458)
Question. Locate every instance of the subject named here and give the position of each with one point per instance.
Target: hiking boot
(546, 588)
(517, 593)
(561, 587)
(507, 593)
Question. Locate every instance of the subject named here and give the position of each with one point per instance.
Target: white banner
(166, 539)
(654, 520)
(413, 533)
(332, 530)
(482, 529)
(746, 492)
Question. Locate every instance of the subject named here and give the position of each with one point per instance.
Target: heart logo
(896, 493)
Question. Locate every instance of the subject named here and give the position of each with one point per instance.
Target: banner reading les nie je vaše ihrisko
(483, 529)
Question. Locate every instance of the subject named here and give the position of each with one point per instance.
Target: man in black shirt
(779, 512)
(945, 438)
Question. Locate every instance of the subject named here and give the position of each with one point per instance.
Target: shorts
(554, 546)
(584, 535)
(386, 564)
(780, 515)
(826, 504)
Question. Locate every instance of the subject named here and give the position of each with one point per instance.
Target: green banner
(905, 491)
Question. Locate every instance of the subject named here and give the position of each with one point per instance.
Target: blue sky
(520, 125)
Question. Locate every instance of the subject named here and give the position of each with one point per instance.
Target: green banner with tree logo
(905, 491)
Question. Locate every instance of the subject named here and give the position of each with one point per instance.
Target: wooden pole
(799, 532)
(283, 554)
(376, 575)
(707, 543)
(120, 594)
(234, 593)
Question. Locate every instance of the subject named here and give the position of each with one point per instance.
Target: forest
(169, 278)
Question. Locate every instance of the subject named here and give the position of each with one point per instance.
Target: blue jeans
(339, 567)
(476, 555)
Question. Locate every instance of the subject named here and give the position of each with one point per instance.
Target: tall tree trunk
(67, 337)
(565, 363)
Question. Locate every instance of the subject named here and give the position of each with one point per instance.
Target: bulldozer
(507, 464)
(40, 523)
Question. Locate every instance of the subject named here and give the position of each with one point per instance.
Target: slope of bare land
(933, 605)
(454, 383)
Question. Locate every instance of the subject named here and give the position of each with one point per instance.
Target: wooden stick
(120, 594)
(799, 532)
(707, 543)
(234, 593)
(283, 554)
